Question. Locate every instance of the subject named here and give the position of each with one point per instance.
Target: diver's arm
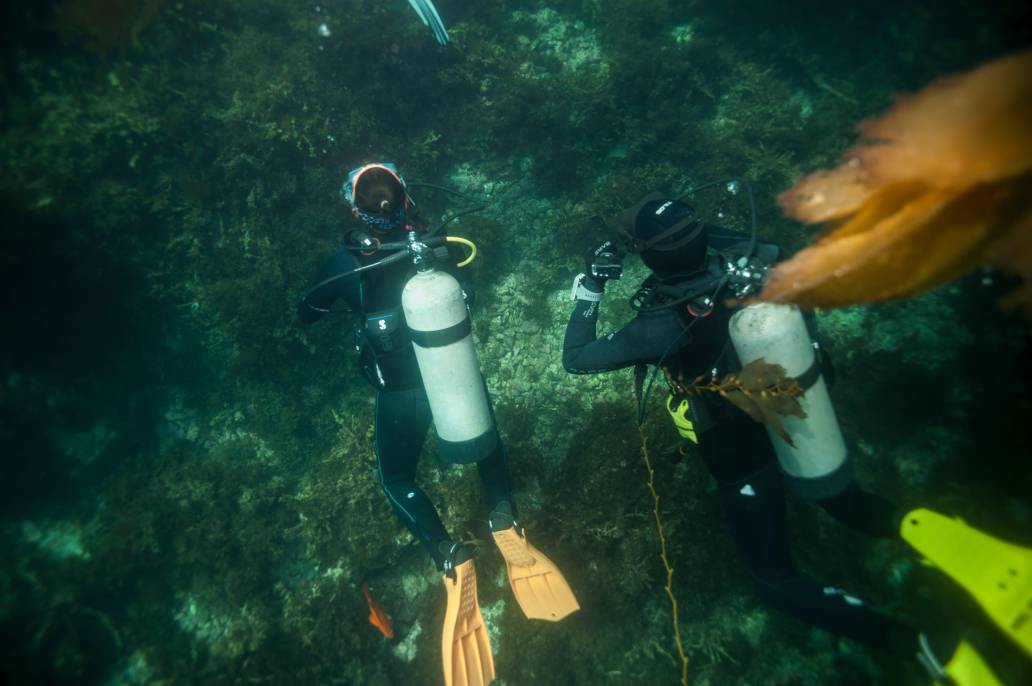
(581, 330)
(643, 339)
(316, 302)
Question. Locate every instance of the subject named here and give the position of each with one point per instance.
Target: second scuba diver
(686, 327)
(401, 282)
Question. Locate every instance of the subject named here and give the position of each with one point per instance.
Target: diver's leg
(402, 420)
(755, 511)
(540, 588)
(494, 474)
(739, 455)
(864, 511)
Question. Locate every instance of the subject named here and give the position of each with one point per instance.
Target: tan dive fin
(465, 647)
(996, 573)
(537, 583)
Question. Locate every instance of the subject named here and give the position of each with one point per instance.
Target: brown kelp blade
(935, 188)
(935, 237)
(763, 391)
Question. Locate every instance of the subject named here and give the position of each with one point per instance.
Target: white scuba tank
(439, 325)
(816, 466)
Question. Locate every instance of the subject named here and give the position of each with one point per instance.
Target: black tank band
(812, 373)
(470, 451)
(441, 337)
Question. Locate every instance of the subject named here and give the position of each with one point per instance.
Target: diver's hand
(603, 263)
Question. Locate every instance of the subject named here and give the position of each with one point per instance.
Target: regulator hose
(469, 244)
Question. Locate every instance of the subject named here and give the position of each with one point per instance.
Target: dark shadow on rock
(81, 344)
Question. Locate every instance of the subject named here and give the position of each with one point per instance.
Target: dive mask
(382, 222)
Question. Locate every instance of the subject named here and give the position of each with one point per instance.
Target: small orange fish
(377, 617)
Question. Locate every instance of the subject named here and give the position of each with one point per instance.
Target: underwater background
(187, 486)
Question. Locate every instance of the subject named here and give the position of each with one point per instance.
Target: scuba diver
(411, 305)
(691, 326)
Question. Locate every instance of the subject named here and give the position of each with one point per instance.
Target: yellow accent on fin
(968, 668)
(996, 573)
(682, 418)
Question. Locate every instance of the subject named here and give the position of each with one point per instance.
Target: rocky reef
(188, 485)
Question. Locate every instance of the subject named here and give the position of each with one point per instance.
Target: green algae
(229, 511)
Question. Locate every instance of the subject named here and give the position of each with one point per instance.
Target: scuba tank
(817, 466)
(439, 326)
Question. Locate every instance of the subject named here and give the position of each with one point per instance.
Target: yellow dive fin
(967, 668)
(996, 573)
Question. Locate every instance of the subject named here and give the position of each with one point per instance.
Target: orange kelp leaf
(958, 131)
(881, 205)
(938, 184)
(825, 194)
(937, 236)
(1014, 254)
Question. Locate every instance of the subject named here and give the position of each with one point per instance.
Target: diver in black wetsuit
(380, 202)
(682, 326)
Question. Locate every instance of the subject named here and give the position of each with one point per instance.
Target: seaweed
(760, 389)
(938, 186)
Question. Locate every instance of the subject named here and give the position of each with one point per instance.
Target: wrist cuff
(580, 291)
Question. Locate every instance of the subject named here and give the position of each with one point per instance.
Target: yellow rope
(663, 553)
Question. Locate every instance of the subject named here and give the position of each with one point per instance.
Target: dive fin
(996, 573)
(537, 583)
(967, 668)
(465, 646)
(428, 13)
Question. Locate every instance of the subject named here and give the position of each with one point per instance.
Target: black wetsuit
(741, 458)
(402, 415)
